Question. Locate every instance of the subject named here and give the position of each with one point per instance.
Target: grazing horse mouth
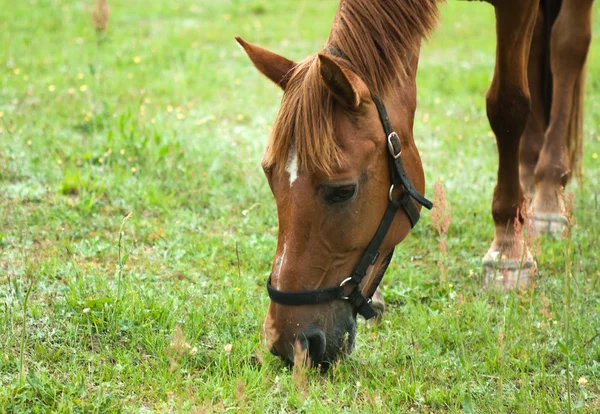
(339, 343)
(339, 340)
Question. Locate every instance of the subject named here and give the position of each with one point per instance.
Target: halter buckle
(392, 148)
(390, 195)
(344, 283)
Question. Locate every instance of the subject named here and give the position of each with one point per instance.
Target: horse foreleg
(508, 262)
(569, 44)
(533, 137)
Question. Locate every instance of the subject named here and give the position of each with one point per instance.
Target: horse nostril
(314, 341)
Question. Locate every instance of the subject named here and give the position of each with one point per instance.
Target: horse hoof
(507, 273)
(378, 304)
(551, 224)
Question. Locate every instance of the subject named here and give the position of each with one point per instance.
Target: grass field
(166, 119)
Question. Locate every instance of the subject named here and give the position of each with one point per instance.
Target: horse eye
(340, 194)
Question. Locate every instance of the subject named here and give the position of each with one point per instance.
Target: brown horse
(334, 150)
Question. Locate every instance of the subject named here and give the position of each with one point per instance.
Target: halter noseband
(398, 178)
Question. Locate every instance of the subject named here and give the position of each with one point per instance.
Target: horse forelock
(304, 125)
(374, 36)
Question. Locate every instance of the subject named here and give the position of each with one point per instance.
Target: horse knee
(507, 110)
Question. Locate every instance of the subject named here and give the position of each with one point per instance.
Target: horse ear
(275, 67)
(343, 84)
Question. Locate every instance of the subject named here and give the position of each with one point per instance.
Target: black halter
(399, 179)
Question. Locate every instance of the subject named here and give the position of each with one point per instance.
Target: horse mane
(374, 37)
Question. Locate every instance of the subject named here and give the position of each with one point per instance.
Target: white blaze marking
(279, 265)
(270, 331)
(291, 167)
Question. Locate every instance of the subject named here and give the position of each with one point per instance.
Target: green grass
(167, 119)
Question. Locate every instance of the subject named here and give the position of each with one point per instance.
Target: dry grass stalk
(300, 371)
(545, 309)
(518, 244)
(100, 16)
(240, 393)
(257, 357)
(176, 349)
(441, 216)
(524, 241)
(240, 390)
(569, 201)
(532, 241)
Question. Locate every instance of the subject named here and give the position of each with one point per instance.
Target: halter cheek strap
(399, 179)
